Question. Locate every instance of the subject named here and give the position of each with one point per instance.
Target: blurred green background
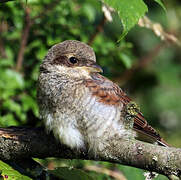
(28, 30)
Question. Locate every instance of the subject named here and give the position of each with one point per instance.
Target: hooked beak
(93, 67)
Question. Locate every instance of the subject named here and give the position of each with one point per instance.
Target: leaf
(6, 63)
(70, 173)
(15, 107)
(89, 11)
(8, 120)
(129, 12)
(29, 103)
(126, 60)
(41, 52)
(9, 173)
(161, 4)
(15, 78)
(10, 82)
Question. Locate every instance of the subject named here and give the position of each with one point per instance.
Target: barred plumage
(81, 107)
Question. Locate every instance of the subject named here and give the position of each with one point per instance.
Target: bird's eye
(73, 60)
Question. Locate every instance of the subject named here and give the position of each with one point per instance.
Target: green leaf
(15, 78)
(161, 4)
(10, 82)
(126, 60)
(6, 63)
(129, 12)
(8, 120)
(70, 173)
(9, 173)
(15, 107)
(89, 11)
(41, 52)
(29, 103)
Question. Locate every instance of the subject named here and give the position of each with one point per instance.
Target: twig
(2, 49)
(18, 143)
(3, 27)
(158, 30)
(24, 39)
(25, 33)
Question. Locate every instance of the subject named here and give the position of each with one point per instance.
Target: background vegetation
(146, 67)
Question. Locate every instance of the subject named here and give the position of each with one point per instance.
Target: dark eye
(73, 60)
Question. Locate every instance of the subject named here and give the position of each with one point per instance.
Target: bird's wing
(109, 93)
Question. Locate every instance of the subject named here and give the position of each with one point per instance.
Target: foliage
(70, 173)
(129, 12)
(156, 85)
(7, 172)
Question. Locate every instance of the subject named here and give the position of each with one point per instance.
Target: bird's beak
(93, 67)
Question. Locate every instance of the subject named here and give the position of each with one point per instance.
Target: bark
(18, 143)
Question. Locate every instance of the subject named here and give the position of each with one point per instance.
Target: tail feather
(163, 143)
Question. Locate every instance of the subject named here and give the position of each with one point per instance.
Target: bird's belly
(85, 121)
(64, 127)
(101, 123)
(99, 118)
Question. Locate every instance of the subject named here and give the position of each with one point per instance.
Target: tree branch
(158, 30)
(24, 39)
(18, 143)
(28, 22)
(3, 28)
(2, 49)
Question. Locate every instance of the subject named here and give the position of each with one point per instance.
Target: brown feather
(109, 93)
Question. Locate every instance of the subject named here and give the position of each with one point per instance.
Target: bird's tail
(163, 143)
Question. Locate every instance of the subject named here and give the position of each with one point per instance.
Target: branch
(27, 25)
(3, 28)
(18, 143)
(2, 49)
(158, 30)
(24, 39)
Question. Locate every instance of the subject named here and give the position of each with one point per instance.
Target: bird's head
(72, 58)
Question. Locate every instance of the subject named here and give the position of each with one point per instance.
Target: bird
(83, 108)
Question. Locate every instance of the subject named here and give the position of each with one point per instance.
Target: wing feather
(109, 93)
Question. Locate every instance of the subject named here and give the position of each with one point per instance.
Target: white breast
(64, 128)
(85, 121)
